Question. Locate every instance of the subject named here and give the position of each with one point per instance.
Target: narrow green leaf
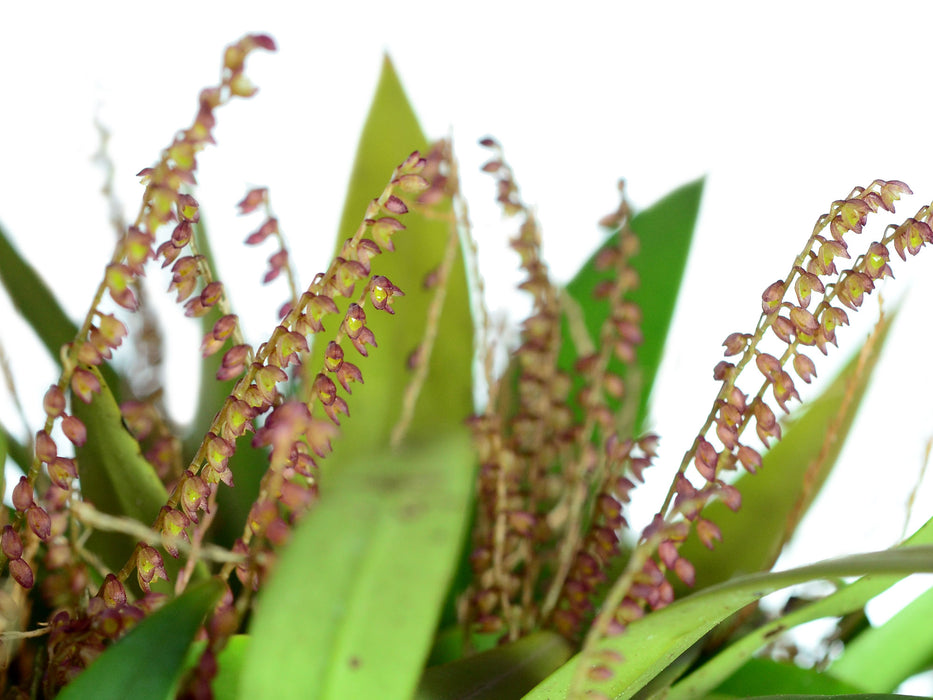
(793, 471)
(665, 231)
(115, 477)
(390, 134)
(882, 658)
(508, 671)
(844, 601)
(351, 608)
(651, 644)
(33, 299)
(147, 662)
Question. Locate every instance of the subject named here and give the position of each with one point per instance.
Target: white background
(785, 107)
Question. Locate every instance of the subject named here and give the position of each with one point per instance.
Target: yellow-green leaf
(390, 134)
(651, 644)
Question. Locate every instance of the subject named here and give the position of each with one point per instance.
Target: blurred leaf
(226, 684)
(17, 452)
(882, 658)
(390, 134)
(115, 477)
(38, 306)
(33, 299)
(664, 231)
(508, 671)
(844, 601)
(769, 677)
(351, 608)
(652, 643)
(792, 473)
(147, 662)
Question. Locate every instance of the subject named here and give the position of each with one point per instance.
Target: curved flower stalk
(796, 322)
(99, 335)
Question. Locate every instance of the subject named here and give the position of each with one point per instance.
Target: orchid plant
(343, 520)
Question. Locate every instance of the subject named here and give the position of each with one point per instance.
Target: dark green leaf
(147, 662)
(351, 608)
(508, 671)
(768, 677)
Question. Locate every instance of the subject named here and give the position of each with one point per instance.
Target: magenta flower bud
(21, 573)
(74, 430)
(10, 543)
(22, 494)
(39, 522)
(54, 402)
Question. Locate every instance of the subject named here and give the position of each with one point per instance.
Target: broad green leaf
(769, 677)
(351, 608)
(390, 134)
(33, 299)
(508, 671)
(147, 662)
(882, 658)
(844, 601)
(115, 477)
(664, 232)
(651, 644)
(792, 473)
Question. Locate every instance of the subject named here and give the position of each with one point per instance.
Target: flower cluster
(822, 292)
(550, 501)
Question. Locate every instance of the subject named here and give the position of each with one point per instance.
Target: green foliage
(355, 540)
(375, 582)
(147, 662)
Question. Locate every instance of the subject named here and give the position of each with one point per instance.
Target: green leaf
(115, 477)
(390, 134)
(882, 658)
(651, 644)
(792, 473)
(844, 601)
(33, 299)
(664, 231)
(351, 608)
(147, 662)
(15, 450)
(226, 684)
(769, 677)
(508, 671)
(38, 305)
